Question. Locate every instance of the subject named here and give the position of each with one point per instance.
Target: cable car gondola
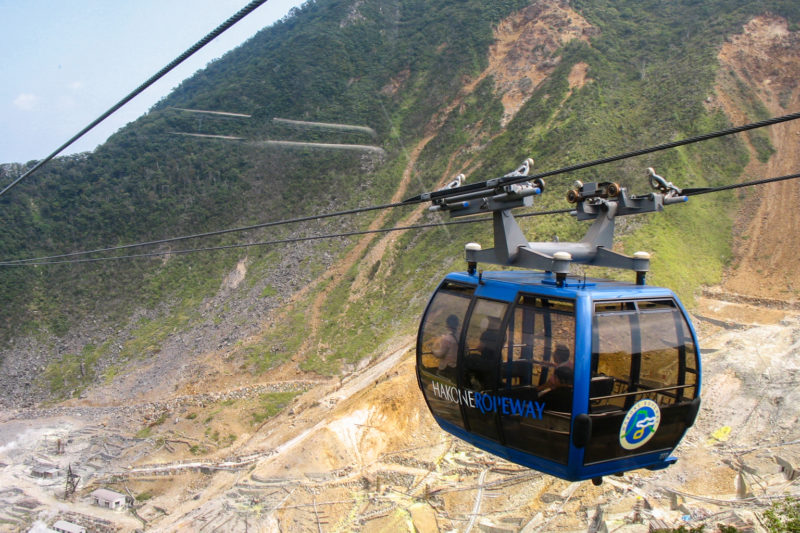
(577, 378)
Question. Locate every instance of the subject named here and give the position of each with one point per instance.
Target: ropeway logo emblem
(640, 424)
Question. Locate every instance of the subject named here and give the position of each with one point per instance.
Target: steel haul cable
(208, 234)
(606, 160)
(460, 190)
(46, 260)
(41, 261)
(706, 190)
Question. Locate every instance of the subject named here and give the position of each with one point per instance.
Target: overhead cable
(158, 75)
(706, 190)
(436, 194)
(208, 234)
(602, 161)
(47, 260)
(41, 261)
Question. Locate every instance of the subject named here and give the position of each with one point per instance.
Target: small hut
(68, 527)
(45, 472)
(109, 499)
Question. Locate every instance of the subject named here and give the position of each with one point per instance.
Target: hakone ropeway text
(489, 403)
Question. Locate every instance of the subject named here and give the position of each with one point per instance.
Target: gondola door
(537, 377)
(481, 367)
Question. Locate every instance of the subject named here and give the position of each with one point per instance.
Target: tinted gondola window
(644, 364)
(438, 349)
(536, 377)
(481, 365)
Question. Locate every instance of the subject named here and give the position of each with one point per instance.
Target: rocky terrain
(364, 454)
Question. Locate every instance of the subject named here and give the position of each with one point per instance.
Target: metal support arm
(601, 202)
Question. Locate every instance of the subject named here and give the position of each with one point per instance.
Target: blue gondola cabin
(582, 380)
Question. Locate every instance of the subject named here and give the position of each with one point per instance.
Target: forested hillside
(445, 92)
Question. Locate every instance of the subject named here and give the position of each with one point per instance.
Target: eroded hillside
(758, 72)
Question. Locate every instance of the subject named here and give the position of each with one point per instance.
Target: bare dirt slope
(524, 51)
(765, 58)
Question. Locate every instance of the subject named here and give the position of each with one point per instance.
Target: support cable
(580, 166)
(41, 261)
(207, 234)
(706, 190)
(38, 261)
(459, 190)
(675, 144)
(174, 63)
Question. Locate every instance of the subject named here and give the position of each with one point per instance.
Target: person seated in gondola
(445, 348)
(558, 397)
(488, 341)
(482, 361)
(561, 358)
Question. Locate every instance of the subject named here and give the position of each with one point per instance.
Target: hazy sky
(64, 63)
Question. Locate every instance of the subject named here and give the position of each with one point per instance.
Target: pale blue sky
(64, 63)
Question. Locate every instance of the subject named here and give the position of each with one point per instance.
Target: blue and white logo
(640, 424)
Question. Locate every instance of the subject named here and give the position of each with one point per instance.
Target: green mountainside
(398, 67)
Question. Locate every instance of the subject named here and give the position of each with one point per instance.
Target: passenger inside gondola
(483, 359)
(561, 359)
(557, 394)
(445, 348)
